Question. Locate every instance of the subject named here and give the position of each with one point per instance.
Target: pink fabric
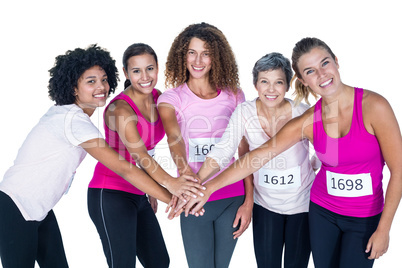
(356, 153)
(204, 118)
(151, 134)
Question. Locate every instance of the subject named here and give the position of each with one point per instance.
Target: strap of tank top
(126, 98)
(318, 127)
(155, 94)
(318, 113)
(357, 121)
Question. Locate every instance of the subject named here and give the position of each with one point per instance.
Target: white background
(365, 36)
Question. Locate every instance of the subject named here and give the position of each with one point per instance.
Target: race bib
(152, 153)
(349, 185)
(198, 148)
(279, 179)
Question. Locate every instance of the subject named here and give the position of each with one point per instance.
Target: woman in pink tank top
(354, 132)
(123, 217)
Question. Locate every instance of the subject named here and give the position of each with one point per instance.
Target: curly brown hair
(224, 71)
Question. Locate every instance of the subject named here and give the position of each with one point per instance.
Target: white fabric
(47, 160)
(245, 122)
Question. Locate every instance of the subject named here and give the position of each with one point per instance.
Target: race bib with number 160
(198, 148)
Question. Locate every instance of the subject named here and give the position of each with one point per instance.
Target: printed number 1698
(348, 184)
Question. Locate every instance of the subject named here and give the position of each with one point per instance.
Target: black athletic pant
(340, 241)
(273, 233)
(127, 227)
(24, 242)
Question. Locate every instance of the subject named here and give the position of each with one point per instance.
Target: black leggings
(127, 227)
(272, 232)
(340, 241)
(24, 242)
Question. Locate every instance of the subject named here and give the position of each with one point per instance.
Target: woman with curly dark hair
(81, 81)
(202, 68)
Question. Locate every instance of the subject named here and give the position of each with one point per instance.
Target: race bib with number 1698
(349, 185)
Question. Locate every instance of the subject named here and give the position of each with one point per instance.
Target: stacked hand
(185, 185)
(184, 189)
(194, 205)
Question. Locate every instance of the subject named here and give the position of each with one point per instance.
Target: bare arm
(101, 151)
(231, 140)
(177, 149)
(386, 129)
(245, 211)
(209, 168)
(295, 130)
(121, 118)
(174, 138)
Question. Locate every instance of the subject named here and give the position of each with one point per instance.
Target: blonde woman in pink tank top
(354, 132)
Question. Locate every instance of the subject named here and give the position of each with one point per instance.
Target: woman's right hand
(185, 185)
(177, 206)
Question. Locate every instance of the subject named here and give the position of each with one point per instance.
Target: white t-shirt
(47, 160)
(283, 184)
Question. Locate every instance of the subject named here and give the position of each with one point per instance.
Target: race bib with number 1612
(279, 179)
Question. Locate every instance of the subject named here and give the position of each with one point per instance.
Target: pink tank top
(151, 134)
(350, 179)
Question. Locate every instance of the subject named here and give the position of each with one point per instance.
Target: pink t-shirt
(151, 134)
(202, 123)
(350, 179)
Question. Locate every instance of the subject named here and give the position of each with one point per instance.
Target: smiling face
(142, 71)
(271, 86)
(319, 71)
(199, 62)
(92, 89)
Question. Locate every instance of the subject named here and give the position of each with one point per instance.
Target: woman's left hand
(244, 214)
(378, 244)
(154, 203)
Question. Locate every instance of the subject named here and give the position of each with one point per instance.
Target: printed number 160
(204, 150)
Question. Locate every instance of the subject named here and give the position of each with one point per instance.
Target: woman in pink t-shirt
(202, 69)
(354, 131)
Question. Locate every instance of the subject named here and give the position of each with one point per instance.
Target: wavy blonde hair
(301, 91)
(224, 71)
